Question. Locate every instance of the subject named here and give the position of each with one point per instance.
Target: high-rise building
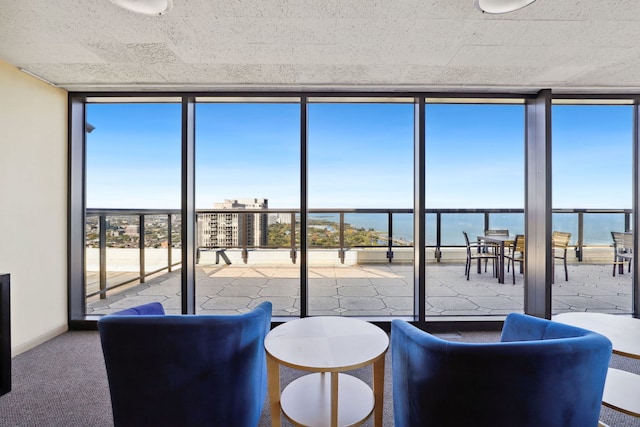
(279, 218)
(234, 228)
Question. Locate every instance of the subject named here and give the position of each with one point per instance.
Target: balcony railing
(98, 227)
(392, 231)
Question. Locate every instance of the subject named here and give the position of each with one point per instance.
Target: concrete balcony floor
(368, 290)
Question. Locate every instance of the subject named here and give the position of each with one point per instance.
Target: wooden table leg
(334, 399)
(378, 391)
(273, 379)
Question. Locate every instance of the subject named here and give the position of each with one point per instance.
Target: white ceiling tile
(49, 53)
(309, 43)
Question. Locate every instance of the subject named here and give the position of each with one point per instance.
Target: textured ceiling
(396, 45)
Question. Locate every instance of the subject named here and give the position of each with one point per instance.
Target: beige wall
(33, 200)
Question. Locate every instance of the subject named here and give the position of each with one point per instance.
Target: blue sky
(360, 155)
(592, 156)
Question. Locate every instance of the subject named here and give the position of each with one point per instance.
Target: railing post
(244, 235)
(487, 223)
(341, 237)
(580, 243)
(169, 243)
(390, 237)
(627, 222)
(438, 236)
(141, 245)
(102, 242)
(292, 252)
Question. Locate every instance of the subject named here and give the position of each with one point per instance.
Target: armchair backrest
(192, 370)
(542, 373)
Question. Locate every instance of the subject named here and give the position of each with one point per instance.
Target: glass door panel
(592, 198)
(132, 189)
(474, 183)
(360, 193)
(247, 204)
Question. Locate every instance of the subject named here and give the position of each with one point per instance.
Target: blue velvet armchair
(541, 373)
(182, 370)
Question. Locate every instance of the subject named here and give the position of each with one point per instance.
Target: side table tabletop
(326, 346)
(622, 331)
(621, 388)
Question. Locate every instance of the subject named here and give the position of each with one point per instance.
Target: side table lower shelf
(307, 400)
(621, 391)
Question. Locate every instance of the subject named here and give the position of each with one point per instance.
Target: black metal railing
(340, 242)
(247, 230)
(103, 226)
(435, 226)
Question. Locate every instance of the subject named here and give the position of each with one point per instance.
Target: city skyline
(360, 155)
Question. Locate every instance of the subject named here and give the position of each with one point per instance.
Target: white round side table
(326, 346)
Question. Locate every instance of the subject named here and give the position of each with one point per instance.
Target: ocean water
(597, 226)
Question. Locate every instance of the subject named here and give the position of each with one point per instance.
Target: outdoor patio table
(500, 241)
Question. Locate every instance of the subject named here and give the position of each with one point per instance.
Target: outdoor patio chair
(516, 254)
(496, 232)
(541, 373)
(185, 370)
(560, 243)
(622, 250)
(475, 252)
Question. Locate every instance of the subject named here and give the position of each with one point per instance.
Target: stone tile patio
(376, 290)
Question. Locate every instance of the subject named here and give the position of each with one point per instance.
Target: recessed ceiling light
(501, 6)
(145, 7)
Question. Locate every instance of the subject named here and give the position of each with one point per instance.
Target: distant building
(132, 230)
(279, 218)
(224, 230)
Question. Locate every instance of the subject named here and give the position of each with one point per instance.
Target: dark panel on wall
(5, 335)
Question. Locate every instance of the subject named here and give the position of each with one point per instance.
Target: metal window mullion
(76, 216)
(304, 210)
(538, 256)
(188, 301)
(419, 219)
(635, 283)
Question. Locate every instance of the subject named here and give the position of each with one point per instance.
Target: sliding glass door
(474, 183)
(132, 213)
(308, 202)
(360, 223)
(592, 200)
(247, 204)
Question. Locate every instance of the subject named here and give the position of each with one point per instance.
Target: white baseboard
(38, 340)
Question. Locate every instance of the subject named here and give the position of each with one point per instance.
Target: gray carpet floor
(63, 383)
